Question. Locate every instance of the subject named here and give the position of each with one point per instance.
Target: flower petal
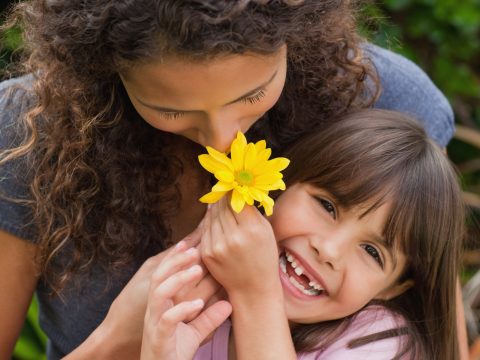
(238, 151)
(267, 178)
(268, 205)
(220, 157)
(225, 176)
(211, 164)
(212, 197)
(237, 202)
(250, 157)
(263, 155)
(276, 164)
(257, 194)
(223, 187)
(260, 145)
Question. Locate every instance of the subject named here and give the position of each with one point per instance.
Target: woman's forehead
(181, 81)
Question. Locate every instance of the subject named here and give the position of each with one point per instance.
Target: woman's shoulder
(405, 87)
(372, 320)
(15, 99)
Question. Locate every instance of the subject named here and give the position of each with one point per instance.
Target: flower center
(244, 178)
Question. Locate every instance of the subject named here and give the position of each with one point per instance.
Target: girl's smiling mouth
(298, 278)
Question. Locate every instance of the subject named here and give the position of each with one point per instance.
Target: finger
(211, 318)
(205, 245)
(227, 219)
(187, 290)
(149, 266)
(172, 264)
(251, 217)
(161, 295)
(179, 313)
(217, 234)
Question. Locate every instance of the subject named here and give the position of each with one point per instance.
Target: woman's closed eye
(374, 253)
(252, 99)
(171, 115)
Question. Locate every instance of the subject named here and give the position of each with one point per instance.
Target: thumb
(211, 318)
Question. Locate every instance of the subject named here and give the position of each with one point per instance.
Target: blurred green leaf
(32, 342)
(12, 39)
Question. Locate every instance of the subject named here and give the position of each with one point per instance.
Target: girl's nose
(331, 248)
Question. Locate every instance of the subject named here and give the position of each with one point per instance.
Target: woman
(100, 181)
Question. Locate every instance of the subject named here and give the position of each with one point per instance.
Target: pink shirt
(369, 321)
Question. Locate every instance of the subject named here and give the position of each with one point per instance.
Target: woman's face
(333, 261)
(208, 101)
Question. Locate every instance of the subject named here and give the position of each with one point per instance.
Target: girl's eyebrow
(247, 94)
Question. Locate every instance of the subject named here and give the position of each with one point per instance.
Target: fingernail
(197, 303)
(179, 244)
(194, 268)
(190, 250)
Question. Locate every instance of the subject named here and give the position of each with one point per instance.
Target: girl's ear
(395, 290)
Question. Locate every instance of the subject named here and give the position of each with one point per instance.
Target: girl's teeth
(314, 290)
(298, 270)
(310, 292)
(315, 285)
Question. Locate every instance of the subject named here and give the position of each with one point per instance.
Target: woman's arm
(18, 280)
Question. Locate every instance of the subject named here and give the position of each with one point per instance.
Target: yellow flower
(248, 174)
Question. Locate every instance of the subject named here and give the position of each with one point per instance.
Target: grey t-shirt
(69, 320)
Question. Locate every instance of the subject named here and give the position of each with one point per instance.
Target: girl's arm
(241, 253)
(17, 285)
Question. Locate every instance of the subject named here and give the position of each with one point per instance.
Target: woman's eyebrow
(247, 94)
(257, 89)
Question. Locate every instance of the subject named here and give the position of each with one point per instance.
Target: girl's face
(209, 101)
(333, 261)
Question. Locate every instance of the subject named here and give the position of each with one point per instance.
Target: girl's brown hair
(385, 156)
(100, 189)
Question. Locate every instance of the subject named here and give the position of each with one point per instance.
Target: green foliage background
(442, 36)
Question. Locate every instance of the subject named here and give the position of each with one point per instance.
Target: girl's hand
(240, 251)
(166, 335)
(119, 336)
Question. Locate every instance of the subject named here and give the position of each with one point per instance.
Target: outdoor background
(443, 37)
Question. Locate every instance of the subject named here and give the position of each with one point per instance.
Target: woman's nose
(330, 248)
(221, 131)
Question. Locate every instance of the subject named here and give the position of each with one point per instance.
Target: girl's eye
(171, 115)
(328, 206)
(254, 98)
(374, 253)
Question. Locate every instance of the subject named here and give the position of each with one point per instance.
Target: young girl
(368, 234)
(99, 140)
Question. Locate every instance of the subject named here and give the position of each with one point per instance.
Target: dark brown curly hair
(100, 189)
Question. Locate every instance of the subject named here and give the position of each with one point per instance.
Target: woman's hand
(240, 251)
(119, 336)
(166, 334)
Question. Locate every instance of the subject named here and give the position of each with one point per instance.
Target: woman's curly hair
(100, 189)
